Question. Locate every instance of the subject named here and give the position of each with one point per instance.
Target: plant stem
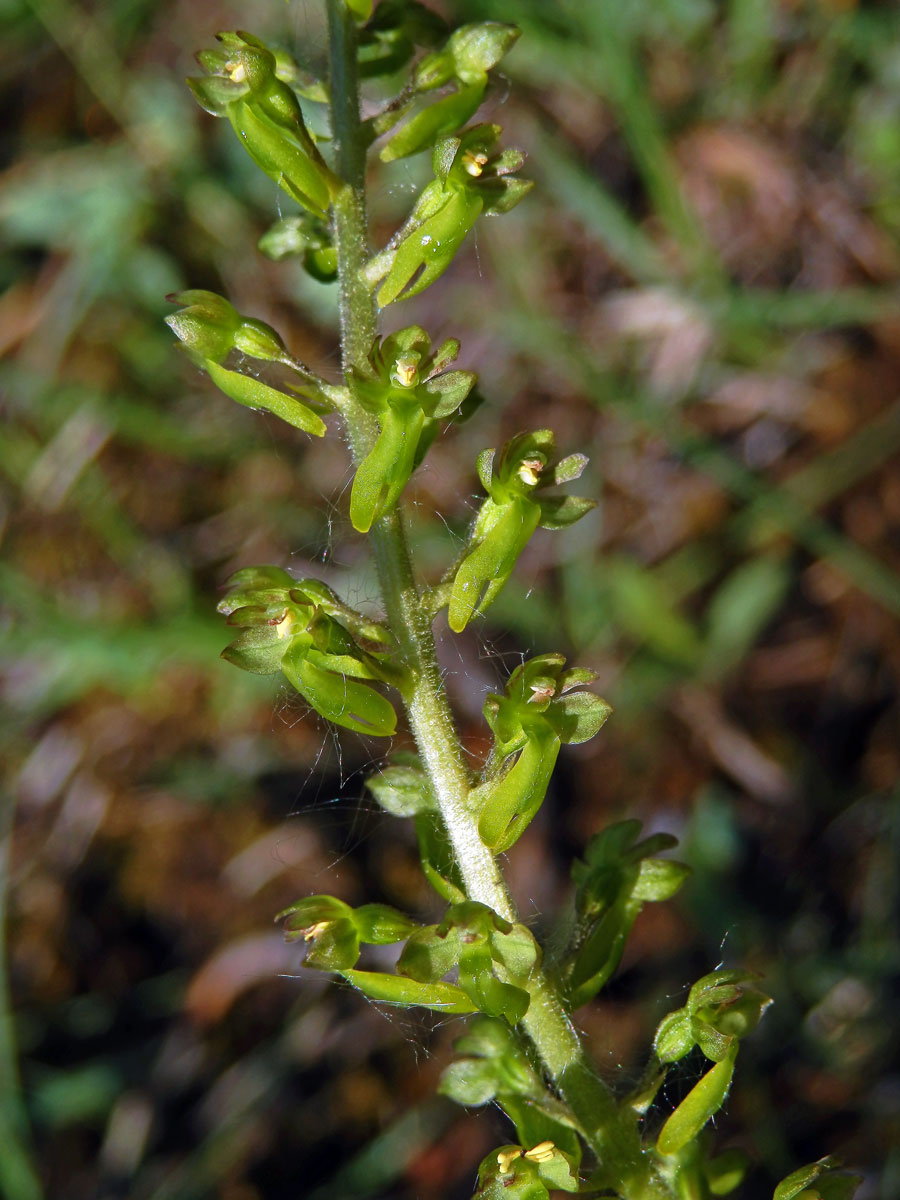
(614, 1138)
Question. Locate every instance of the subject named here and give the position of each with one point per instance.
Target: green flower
(409, 391)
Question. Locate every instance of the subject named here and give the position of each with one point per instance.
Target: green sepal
(559, 512)
(817, 1181)
(382, 925)
(339, 699)
(702, 1102)
(255, 650)
(674, 1037)
(249, 580)
(403, 789)
(516, 949)
(469, 1081)
(659, 879)
(429, 955)
(395, 989)
(214, 94)
(492, 996)
(303, 235)
(205, 325)
(476, 48)
(578, 717)
(569, 469)
(253, 393)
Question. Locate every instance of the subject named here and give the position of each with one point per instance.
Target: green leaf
(702, 1101)
(381, 925)
(674, 1037)
(361, 9)
(254, 394)
(394, 989)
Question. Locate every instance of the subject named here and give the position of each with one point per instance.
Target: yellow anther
(506, 1157)
(310, 934)
(405, 371)
(236, 72)
(541, 692)
(474, 163)
(284, 624)
(530, 470)
(541, 1153)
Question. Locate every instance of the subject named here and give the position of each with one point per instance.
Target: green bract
(242, 83)
(470, 179)
(408, 390)
(299, 627)
(510, 515)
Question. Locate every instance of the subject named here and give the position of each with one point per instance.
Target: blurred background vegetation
(703, 292)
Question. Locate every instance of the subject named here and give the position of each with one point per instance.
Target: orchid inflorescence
(398, 393)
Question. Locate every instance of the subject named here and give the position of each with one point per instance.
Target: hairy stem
(613, 1137)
